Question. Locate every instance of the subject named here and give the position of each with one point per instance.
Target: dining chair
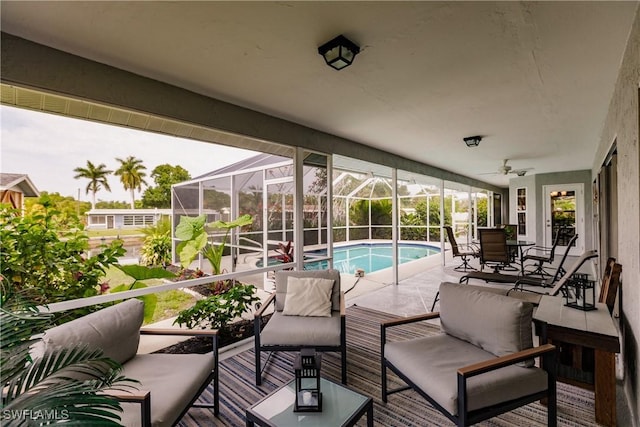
(542, 255)
(465, 251)
(493, 248)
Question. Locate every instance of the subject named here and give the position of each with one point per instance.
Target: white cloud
(48, 147)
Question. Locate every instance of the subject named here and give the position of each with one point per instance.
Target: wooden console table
(587, 342)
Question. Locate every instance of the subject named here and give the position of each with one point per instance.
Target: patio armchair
(480, 365)
(169, 384)
(463, 251)
(309, 312)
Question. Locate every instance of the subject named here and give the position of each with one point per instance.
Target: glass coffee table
(341, 406)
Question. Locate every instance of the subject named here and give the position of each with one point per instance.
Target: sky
(48, 148)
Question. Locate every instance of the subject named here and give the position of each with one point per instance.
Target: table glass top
(338, 405)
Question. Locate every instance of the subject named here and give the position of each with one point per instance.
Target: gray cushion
(115, 330)
(173, 380)
(298, 331)
(281, 285)
(496, 323)
(531, 297)
(432, 363)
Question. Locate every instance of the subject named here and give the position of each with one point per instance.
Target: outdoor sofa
(169, 383)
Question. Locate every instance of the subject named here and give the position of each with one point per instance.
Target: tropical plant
(131, 173)
(217, 311)
(37, 258)
(285, 252)
(63, 386)
(139, 274)
(193, 236)
(191, 230)
(213, 253)
(156, 248)
(97, 176)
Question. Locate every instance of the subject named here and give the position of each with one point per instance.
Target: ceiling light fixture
(339, 52)
(472, 141)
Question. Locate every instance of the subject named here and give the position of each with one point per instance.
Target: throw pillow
(308, 296)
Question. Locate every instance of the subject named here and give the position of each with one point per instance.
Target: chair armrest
(538, 249)
(138, 396)
(472, 245)
(142, 397)
(343, 309)
(179, 332)
(259, 312)
(411, 319)
(500, 362)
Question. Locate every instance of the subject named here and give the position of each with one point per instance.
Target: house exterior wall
(100, 219)
(622, 125)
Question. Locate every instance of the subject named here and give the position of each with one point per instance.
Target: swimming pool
(370, 256)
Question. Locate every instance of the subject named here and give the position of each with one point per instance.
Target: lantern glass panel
(580, 292)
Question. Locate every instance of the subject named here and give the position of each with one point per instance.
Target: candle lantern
(580, 292)
(307, 368)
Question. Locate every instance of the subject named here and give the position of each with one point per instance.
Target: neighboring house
(14, 187)
(100, 219)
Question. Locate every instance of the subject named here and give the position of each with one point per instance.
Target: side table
(341, 406)
(587, 342)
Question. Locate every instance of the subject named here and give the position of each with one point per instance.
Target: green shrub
(156, 250)
(218, 310)
(38, 259)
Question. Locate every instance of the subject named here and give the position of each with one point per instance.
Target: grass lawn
(114, 232)
(169, 303)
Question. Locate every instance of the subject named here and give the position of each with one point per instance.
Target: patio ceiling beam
(32, 65)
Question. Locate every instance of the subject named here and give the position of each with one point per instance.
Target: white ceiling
(533, 78)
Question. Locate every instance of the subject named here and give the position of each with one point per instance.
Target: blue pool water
(370, 256)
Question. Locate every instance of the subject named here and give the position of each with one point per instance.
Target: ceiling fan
(505, 169)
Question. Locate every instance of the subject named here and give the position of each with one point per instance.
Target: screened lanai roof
(260, 160)
(353, 178)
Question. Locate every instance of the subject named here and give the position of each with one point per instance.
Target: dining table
(519, 246)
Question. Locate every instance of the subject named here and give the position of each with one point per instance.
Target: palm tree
(97, 176)
(131, 175)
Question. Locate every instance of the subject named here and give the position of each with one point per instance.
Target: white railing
(100, 299)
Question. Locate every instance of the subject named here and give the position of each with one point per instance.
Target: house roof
(18, 182)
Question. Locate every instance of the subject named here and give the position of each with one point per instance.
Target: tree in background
(97, 176)
(70, 212)
(164, 176)
(131, 173)
(108, 204)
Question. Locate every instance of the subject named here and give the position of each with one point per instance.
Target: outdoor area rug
(238, 390)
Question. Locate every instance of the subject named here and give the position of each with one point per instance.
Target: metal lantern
(308, 395)
(580, 292)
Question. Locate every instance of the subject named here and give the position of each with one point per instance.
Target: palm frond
(63, 385)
